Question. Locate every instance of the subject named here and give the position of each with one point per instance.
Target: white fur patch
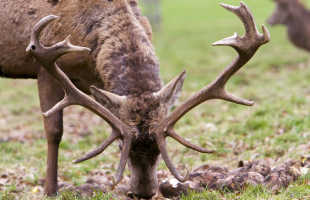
(174, 182)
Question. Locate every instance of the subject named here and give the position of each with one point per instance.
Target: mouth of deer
(143, 161)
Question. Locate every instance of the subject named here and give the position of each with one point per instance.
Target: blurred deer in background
(294, 15)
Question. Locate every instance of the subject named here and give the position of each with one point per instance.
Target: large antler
(47, 56)
(246, 47)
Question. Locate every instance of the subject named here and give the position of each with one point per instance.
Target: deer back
(86, 21)
(15, 19)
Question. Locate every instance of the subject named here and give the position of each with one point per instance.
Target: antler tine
(251, 32)
(124, 154)
(161, 142)
(100, 149)
(246, 17)
(174, 135)
(35, 35)
(124, 158)
(160, 139)
(47, 57)
(246, 47)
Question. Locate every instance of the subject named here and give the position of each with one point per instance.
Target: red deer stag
(134, 102)
(296, 18)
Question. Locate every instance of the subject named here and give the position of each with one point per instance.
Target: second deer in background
(294, 15)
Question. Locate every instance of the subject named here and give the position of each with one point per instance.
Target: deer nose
(144, 189)
(139, 196)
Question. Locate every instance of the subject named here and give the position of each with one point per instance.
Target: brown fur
(122, 61)
(80, 18)
(294, 15)
(126, 46)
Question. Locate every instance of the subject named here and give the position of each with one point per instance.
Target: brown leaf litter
(209, 177)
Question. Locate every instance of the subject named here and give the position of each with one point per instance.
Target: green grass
(277, 127)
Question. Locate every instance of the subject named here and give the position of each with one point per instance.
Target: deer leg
(50, 93)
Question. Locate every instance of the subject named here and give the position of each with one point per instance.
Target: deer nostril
(135, 196)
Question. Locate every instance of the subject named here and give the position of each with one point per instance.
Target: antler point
(52, 17)
(184, 74)
(242, 4)
(68, 38)
(224, 5)
(266, 33)
(45, 114)
(187, 176)
(93, 87)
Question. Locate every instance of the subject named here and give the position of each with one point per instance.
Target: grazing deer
(296, 18)
(121, 71)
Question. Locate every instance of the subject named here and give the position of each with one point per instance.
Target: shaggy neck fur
(127, 63)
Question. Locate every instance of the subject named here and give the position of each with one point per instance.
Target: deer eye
(110, 0)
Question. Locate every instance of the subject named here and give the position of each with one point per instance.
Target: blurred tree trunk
(152, 9)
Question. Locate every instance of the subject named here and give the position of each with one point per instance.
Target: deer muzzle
(143, 161)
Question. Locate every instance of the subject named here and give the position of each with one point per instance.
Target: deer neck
(126, 62)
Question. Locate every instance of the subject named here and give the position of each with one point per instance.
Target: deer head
(142, 122)
(284, 11)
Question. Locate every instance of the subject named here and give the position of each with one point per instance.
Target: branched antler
(47, 56)
(100, 149)
(246, 47)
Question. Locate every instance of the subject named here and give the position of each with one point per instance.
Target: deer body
(296, 18)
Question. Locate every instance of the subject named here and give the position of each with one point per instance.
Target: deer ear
(170, 93)
(107, 99)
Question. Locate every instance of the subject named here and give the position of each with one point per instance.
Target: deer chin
(143, 179)
(144, 184)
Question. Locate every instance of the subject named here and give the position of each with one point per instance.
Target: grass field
(276, 128)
